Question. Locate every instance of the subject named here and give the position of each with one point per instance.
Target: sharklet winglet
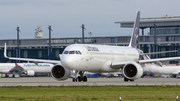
(5, 51)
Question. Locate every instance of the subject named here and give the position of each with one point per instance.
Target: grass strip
(89, 93)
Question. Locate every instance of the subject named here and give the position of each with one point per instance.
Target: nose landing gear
(80, 77)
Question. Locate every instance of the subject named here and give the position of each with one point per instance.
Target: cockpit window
(72, 52)
(78, 52)
(65, 52)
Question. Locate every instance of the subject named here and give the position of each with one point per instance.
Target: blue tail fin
(134, 42)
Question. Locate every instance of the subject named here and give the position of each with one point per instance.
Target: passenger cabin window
(65, 52)
(72, 52)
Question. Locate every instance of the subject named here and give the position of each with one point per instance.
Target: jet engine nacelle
(30, 72)
(58, 72)
(133, 71)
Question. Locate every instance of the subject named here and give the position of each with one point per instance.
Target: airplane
(99, 59)
(28, 69)
(153, 68)
(164, 69)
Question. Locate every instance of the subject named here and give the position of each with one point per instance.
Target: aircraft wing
(35, 60)
(116, 65)
(17, 69)
(28, 59)
(159, 52)
(159, 60)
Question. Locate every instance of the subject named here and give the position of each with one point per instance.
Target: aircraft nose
(67, 62)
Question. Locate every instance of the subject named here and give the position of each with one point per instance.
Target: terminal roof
(149, 22)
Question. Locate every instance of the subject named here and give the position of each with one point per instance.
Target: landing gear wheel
(126, 79)
(74, 80)
(84, 79)
(79, 79)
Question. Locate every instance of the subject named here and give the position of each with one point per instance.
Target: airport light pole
(83, 28)
(155, 40)
(18, 53)
(50, 49)
(90, 34)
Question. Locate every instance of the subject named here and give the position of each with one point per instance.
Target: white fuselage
(96, 58)
(41, 67)
(162, 70)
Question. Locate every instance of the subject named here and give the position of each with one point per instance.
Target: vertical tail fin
(16, 64)
(134, 42)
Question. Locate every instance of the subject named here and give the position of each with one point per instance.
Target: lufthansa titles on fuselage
(89, 48)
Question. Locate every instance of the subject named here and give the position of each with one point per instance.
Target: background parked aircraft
(160, 69)
(25, 68)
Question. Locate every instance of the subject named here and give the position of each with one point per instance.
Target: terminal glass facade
(166, 30)
(35, 53)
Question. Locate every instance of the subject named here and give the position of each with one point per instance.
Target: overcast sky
(66, 16)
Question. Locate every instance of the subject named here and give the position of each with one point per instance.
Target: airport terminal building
(164, 35)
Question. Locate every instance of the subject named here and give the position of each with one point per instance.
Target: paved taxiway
(48, 81)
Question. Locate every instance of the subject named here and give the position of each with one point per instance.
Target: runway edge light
(119, 98)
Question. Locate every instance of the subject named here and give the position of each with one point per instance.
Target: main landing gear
(126, 80)
(80, 77)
